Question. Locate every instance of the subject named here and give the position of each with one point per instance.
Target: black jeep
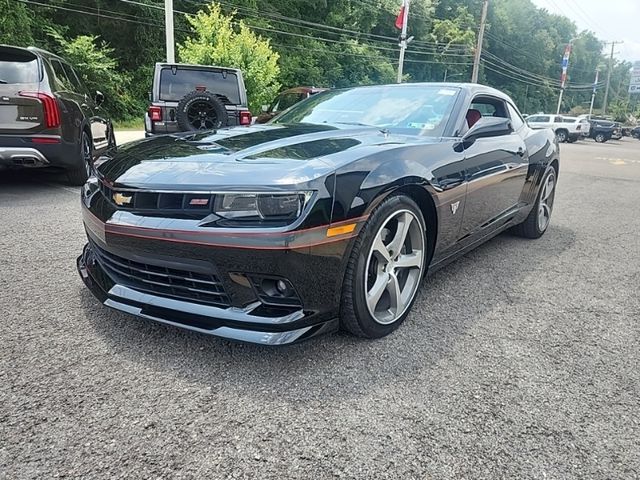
(195, 97)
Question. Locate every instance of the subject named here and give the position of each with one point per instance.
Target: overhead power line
(524, 78)
(321, 39)
(108, 14)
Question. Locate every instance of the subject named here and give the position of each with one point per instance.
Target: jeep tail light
(155, 114)
(49, 107)
(245, 117)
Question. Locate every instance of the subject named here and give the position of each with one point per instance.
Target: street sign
(634, 83)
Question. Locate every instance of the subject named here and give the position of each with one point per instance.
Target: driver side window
(484, 106)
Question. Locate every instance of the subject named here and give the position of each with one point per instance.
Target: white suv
(567, 129)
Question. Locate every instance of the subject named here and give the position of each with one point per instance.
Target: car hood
(265, 155)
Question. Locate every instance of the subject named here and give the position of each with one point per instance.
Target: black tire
(355, 317)
(79, 174)
(201, 111)
(562, 135)
(572, 139)
(600, 138)
(531, 228)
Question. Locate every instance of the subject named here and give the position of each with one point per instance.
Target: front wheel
(539, 218)
(385, 269)
(600, 138)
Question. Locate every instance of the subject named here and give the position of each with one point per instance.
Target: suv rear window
(174, 87)
(18, 67)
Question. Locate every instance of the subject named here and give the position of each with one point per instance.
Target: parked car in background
(327, 217)
(602, 130)
(48, 118)
(285, 100)
(195, 97)
(617, 131)
(635, 132)
(581, 127)
(565, 131)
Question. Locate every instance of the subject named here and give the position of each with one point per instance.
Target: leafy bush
(93, 61)
(217, 42)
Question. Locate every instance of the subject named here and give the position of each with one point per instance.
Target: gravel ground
(520, 360)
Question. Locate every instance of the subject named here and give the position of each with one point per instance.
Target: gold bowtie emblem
(122, 199)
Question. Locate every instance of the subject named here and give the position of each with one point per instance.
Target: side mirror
(99, 98)
(265, 108)
(488, 127)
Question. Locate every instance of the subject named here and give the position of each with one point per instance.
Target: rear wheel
(385, 269)
(539, 218)
(79, 174)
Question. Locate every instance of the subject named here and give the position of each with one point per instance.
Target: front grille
(193, 205)
(167, 282)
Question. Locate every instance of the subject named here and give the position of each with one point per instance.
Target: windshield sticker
(421, 126)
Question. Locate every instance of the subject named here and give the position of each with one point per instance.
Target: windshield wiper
(382, 130)
(357, 124)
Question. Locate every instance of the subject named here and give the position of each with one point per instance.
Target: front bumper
(234, 323)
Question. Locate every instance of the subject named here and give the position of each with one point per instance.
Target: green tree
(93, 61)
(15, 24)
(219, 40)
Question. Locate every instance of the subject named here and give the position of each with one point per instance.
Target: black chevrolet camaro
(328, 217)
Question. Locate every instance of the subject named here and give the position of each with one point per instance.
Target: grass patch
(129, 124)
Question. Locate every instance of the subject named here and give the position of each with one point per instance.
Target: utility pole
(476, 60)
(168, 22)
(606, 90)
(565, 66)
(404, 41)
(593, 95)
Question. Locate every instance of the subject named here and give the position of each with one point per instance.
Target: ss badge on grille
(122, 199)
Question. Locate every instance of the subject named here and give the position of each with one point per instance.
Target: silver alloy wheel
(394, 266)
(562, 136)
(545, 206)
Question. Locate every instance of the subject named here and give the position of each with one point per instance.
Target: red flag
(400, 18)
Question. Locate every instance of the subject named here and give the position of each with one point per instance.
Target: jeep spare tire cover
(201, 111)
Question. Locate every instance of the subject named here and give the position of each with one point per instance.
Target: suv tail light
(245, 117)
(49, 107)
(155, 114)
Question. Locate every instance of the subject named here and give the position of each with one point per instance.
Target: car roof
(33, 50)
(196, 67)
(470, 88)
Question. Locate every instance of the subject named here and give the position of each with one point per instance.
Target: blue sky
(609, 19)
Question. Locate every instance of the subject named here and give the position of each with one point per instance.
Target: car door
(496, 169)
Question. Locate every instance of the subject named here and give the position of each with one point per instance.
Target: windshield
(412, 109)
(174, 86)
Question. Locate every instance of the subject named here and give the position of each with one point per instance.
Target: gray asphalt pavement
(520, 360)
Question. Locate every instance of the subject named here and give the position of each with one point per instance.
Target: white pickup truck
(567, 129)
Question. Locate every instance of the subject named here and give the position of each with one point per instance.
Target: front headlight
(261, 206)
